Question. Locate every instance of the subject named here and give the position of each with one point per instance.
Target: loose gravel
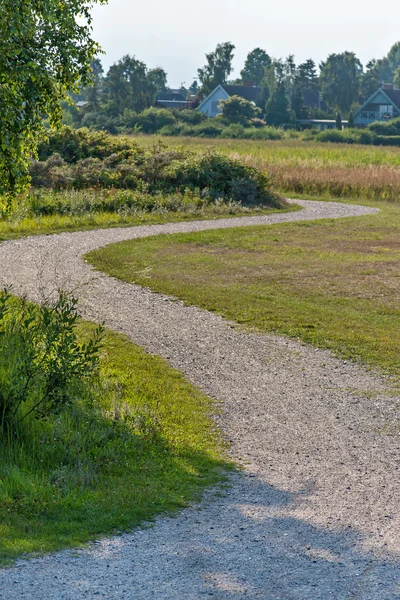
(315, 512)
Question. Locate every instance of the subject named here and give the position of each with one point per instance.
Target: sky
(177, 34)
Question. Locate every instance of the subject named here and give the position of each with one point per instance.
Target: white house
(210, 105)
(383, 105)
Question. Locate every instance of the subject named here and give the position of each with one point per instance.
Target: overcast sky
(176, 34)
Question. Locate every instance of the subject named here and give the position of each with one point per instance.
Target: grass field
(298, 167)
(148, 446)
(334, 284)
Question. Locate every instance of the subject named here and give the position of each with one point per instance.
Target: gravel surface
(315, 513)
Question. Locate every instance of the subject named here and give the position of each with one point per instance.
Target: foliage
(153, 119)
(41, 361)
(217, 69)
(239, 110)
(277, 109)
(340, 79)
(130, 85)
(77, 144)
(297, 104)
(257, 61)
(46, 50)
(93, 160)
(137, 443)
(306, 77)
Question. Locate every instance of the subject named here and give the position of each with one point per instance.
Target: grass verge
(142, 445)
(46, 225)
(332, 283)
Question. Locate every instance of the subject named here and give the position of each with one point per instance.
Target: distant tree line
(334, 89)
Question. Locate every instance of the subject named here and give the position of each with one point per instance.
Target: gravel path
(316, 512)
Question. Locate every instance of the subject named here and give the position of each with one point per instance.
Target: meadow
(312, 168)
(334, 284)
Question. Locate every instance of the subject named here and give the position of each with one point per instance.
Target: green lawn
(334, 284)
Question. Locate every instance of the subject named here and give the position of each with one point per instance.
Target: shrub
(264, 133)
(219, 176)
(192, 117)
(149, 172)
(41, 361)
(239, 110)
(208, 128)
(387, 140)
(390, 128)
(174, 129)
(234, 130)
(77, 144)
(153, 119)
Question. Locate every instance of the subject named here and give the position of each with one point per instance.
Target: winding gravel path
(316, 512)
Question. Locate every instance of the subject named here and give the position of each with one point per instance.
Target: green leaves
(40, 358)
(44, 52)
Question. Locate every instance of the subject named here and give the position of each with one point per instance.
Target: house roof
(244, 91)
(171, 95)
(393, 97)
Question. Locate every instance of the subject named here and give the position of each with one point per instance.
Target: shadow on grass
(98, 487)
(245, 544)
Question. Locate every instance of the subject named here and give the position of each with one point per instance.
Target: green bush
(77, 144)
(234, 130)
(390, 128)
(115, 164)
(218, 176)
(153, 119)
(192, 117)
(41, 362)
(387, 140)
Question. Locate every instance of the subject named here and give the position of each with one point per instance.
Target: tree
(339, 121)
(46, 50)
(297, 104)
(396, 78)
(257, 62)
(393, 57)
(158, 79)
(371, 79)
(194, 88)
(277, 109)
(130, 85)
(92, 93)
(217, 69)
(239, 110)
(340, 79)
(306, 77)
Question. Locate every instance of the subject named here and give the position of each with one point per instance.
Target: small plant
(41, 361)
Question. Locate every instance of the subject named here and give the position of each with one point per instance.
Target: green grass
(144, 444)
(18, 227)
(334, 284)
